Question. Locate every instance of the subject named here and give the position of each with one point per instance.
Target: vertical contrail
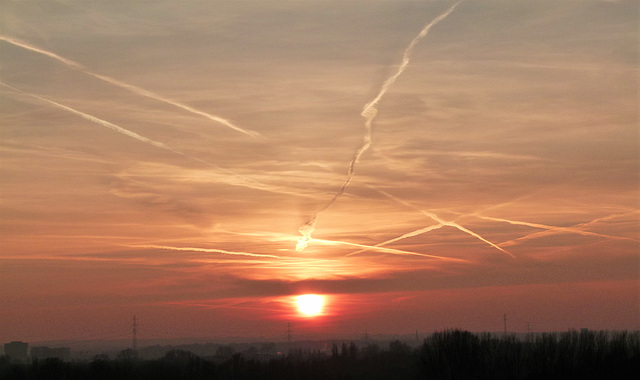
(132, 88)
(369, 113)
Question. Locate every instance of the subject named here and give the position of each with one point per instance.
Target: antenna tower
(505, 325)
(134, 331)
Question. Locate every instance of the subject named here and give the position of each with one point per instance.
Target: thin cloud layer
(503, 166)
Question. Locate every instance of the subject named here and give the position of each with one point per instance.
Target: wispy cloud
(51, 152)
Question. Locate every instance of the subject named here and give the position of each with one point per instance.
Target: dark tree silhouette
(451, 354)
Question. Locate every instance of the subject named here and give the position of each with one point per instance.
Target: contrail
(466, 230)
(208, 250)
(547, 228)
(243, 181)
(440, 222)
(274, 236)
(405, 236)
(387, 250)
(369, 113)
(96, 120)
(152, 95)
(132, 88)
(73, 258)
(550, 230)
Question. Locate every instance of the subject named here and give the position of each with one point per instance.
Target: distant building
(17, 351)
(41, 353)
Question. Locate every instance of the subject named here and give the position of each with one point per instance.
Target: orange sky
(159, 159)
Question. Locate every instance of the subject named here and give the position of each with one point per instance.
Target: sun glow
(310, 304)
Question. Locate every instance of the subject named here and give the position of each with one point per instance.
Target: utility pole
(135, 333)
(289, 333)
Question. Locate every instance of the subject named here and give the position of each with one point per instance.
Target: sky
(422, 165)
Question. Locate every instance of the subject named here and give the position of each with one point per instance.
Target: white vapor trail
(369, 113)
(239, 179)
(405, 236)
(550, 230)
(441, 223)
(132, 88)
(547, 229)
(386, 250)
(207, 250)
(279, 237)
(96, 120)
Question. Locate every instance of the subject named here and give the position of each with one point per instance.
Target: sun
(310, 304)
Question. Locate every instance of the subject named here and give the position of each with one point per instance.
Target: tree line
(451, 354)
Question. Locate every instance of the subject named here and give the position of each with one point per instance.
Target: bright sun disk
(310, 304)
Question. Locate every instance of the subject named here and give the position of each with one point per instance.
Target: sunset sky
(164, 159)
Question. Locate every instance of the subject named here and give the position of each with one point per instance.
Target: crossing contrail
(551, 230)
(281, 237)
(547, 229)
(405, 236)
(386, 250)
(441, 223)
(132, 88)
(369, 113)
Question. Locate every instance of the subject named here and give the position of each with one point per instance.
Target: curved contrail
(137, 90)
(369, 113)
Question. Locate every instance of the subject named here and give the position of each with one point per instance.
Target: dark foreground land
(451, 354)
